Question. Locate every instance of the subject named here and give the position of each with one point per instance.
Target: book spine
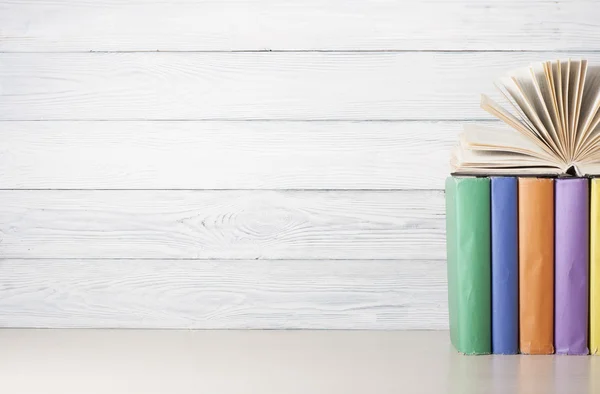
(595, 267)
(571, 266)
(536, 265)
(469, 264)
(505, 266)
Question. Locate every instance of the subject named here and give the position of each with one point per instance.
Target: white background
(249, 163)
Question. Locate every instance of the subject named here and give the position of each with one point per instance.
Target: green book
(468, 237)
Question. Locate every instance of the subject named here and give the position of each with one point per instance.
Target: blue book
(505, 266)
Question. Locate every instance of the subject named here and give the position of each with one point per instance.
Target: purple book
(571, 243)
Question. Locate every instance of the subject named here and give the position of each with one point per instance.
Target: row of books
(523, 264)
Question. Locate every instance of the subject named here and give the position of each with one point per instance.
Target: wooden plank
(225, 155)
(303, 86)
(183, 25)
(223, 294)
(222, 224)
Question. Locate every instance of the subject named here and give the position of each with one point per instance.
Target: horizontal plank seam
(226, 190)
(198, 260)
(267, 51)
(88, 328)
(273, 120)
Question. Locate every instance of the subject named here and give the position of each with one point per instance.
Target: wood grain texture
(183, 25)
(304, 86)
(225, 155)
(222, 224)
(223, 294)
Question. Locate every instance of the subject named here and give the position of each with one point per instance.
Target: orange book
(536, 265)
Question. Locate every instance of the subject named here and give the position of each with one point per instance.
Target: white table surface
(133, 361)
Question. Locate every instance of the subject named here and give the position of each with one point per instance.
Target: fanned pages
(553, 124)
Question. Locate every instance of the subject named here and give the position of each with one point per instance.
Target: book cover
(595, 266)
(536, 265)
(505, 266)
(469, 263)
(571, 265)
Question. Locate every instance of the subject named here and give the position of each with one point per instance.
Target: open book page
(498, 163)
(482, 138)
(522, 117)
(591, 150)
(536, 89)
(565, 72)
(590, 168)
(554, 125)
(592, 138)
(573, 96)
(589, 111)
(582, 80)
(495, 109)
(522, 90)
(544, 78)
(500, 151)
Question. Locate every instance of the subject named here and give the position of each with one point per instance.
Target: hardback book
(469, 263)
(536, 265)
(595, 266)
(549, 139)
(571, 265)
(505, 265)
(552, 124)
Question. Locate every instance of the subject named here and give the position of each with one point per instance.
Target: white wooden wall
(245, 163)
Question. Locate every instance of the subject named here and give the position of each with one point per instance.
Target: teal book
(468, 244)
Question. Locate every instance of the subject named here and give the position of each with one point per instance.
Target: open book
(554, 124)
